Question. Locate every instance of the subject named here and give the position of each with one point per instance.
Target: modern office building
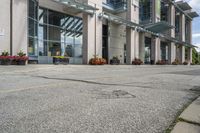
(151, 30)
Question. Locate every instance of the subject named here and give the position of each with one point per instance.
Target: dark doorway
(147, 59)
(105, 42)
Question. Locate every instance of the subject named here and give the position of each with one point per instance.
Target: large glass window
(145, 11)
(33, 27)
(147, 59)
(164, 51)
(53, 33)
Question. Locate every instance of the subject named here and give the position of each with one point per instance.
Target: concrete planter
(114, 61)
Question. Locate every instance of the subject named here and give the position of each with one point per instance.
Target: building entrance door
(105, 42)
(147, 59)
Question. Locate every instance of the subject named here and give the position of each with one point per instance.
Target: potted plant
(175, 62)
(21, 58)
(185, 63)
(161, 62)
(60, 60)
(97, 61)
(137, 62)
(5, 59)
(115, 61)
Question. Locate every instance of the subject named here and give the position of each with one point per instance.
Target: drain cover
(116, 94)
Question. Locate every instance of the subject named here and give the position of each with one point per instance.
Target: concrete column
(182, 29)
(172, 45)
(190, 32)
(155, 49)
(172, 19)
(92, 29)
(172, 52)
(190, 55)
(182, 58)
(141, 46)
(5, 26)
(130, 45)
(20, 26)
(132, 36)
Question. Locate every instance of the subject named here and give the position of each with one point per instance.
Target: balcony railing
(116, 5)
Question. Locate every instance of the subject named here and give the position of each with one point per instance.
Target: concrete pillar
(190, 55)
(172, 19)
(182, 29)
(5, 26)
(182, 58)
(172, 45)
(132, 36)
(20, 26)
(155, 49)
(142, 46)
(130, 45)
(172, 52)
(92, 29)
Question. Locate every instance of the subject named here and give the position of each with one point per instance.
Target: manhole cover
(116, 94)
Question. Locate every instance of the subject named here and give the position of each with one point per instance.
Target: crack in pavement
(90, 82)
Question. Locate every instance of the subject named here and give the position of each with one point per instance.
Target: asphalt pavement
(94, 99)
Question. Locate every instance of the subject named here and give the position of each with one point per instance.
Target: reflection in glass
(57, 34)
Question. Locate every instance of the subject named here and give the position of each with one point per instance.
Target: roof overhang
(82, 7)
(141, 28)
(184, 5)
(193, 14)
(180, 9)
(118, 20)
(111, 9)
(159, 27)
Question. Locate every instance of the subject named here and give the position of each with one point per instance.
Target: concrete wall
(117, 41)
(20, 26)
(4, 25)
(132, 36)
(92, 29)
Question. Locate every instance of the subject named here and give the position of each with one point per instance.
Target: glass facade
(147, 59)
(164, 11)
(164, 51)
(32, 28)
(55, 34)
(145, 11)
(117, 3)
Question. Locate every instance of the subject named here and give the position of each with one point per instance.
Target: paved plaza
(94, 99)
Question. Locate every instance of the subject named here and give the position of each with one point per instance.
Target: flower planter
(97, 61)
(114, 62)
(5, 62)
(14, 62)
(137, 62)
(22, 62)
(60, 60)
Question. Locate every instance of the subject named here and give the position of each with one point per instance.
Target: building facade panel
(5, 25)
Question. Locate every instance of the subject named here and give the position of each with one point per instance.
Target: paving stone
(183, 127)
(192, 113)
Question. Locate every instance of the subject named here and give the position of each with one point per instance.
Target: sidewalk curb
(189, 120)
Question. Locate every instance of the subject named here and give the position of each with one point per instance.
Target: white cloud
(195, 4)
(196, 35)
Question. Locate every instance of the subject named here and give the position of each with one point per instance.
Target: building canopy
(79, 6)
